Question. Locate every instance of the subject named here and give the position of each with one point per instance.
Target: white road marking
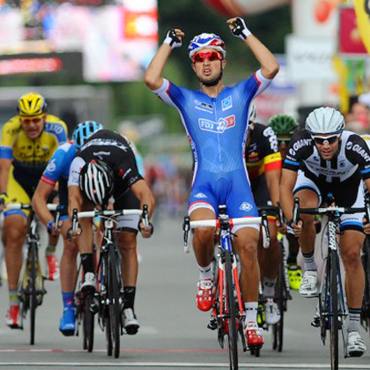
(179, 364)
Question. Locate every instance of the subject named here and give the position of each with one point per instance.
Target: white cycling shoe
(308, 286)
(355, 346)
(130, 322)
(272, 313)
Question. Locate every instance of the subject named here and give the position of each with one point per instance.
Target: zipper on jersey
(218, 134)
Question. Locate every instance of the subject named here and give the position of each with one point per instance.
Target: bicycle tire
(334, 310)
(281, 302)
(88, 322)
(103, 273)
(32, 291)
(365, 309)
(114, 301)
(232, 332)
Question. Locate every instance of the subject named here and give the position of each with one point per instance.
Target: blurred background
(87, 57)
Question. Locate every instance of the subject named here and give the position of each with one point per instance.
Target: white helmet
(325, 120)
(252, 115)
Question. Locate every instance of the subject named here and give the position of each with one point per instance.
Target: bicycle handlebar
(51, 206)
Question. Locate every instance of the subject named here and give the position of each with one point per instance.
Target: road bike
(365, 309)
(227, 314)
(332, 305)
(110, 294)
(31, 288)
(282, 289)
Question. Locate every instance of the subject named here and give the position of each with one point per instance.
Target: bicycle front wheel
(32, 290)
(88, 322)
(113, 294)
(333, 314)
(232, 332)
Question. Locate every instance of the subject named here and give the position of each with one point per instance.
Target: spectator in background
(358, 118)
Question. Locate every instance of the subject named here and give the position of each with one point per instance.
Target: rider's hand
(52, 230)
(366, 226)
(146, 233)
(295, 229)
(174, 38)
(281, 228)
(73, 236)
(238, 28)
(4, 199)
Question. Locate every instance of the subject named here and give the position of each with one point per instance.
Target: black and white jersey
(351, 162)
(115, 151)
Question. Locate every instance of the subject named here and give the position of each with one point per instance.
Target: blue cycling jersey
(59, 164)
(217, 130)
(216, 127)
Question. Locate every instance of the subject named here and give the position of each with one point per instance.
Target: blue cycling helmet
(206, 40)
(83, 131)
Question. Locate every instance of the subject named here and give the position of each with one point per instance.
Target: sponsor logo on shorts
(245, 206)
(200, 196)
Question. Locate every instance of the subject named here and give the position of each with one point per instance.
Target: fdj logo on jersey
(218, 127)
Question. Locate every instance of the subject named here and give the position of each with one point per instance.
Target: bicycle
(110, 284)
(365, 309)
(31, 288)
(228, 314)
(333, 310)
(282, 289)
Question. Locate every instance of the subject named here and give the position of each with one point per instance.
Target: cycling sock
(354, 319)
(292, 259)
(67, 300)
(50, 249)
(87, 262)
(309, 261)
(206, 272)
(13, 297)
(129, 296)
(251, 309)
(269, 287)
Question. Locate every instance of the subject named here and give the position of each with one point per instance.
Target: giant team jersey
(216, 127)
(351, 162)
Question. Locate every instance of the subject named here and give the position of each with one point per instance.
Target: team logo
(51, 166)
(342, 164)
(200, 196)
(217, 127)
(245, 206)
(227, 103)
(349, 145)
(203, 106)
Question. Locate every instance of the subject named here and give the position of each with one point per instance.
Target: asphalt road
(173, 332)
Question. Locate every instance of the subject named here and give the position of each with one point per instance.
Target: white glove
(240, 29)
(172, 40)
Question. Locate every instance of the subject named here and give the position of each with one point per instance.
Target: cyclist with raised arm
(332, 160)
(284, 127)
(216, 120)
(106, 168)
(28, 141)
(264, 167)
(57, 171)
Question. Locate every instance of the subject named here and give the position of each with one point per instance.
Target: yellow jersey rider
(28, 141)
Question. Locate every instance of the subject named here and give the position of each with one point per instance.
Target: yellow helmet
(31, 105)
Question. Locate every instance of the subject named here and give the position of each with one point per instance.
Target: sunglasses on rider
(210, 55)
(320, 140)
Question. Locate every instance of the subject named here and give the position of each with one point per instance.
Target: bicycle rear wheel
(88, 322)
(278, 328)
(232, 332)
(113, 294)
(334, 309)
(365, 309)
(32, 290)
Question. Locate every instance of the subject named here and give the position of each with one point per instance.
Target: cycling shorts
(128, 200)
(261, 194)
(346, 194)
(232, 189)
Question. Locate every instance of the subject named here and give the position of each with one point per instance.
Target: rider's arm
(5, 165)
(273, 180)
(269, 64)
(74, 199)
(143, 193)
(288, 180)
(39, 202)
(153, 76)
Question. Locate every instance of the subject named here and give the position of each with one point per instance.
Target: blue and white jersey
(216, 127)
(59, 164)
